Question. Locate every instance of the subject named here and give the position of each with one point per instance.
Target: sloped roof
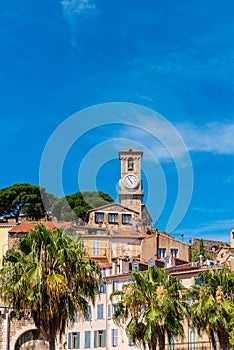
(64, 224)
(104, 265)
(111, 204)
(131, 150)
(226, 258)
(28, 225)
(163, 233)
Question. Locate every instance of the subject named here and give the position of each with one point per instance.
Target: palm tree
(212, 309)
(48, 274)
(231, 333)
(152, 307)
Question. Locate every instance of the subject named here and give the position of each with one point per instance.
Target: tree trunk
(161, 341)
(16, 218)
(52, 344)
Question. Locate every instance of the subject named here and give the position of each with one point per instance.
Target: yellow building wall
(100, 249)
(4, 228)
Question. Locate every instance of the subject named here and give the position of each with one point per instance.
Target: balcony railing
(92, 232)
(97, 252)
(203, 345)
(123, 252)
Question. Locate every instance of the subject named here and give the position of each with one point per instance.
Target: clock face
(131, 181)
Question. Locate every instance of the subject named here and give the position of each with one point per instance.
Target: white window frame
(176, 251)
(114, 337)
(161, 253)
(96, 248)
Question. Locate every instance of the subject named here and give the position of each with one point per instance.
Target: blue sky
(177, 58)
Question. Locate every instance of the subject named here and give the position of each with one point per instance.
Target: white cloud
(74, 10)
(218, 225)
(73, 7)
(217, 138)
(214, 137)
(215, 230)
(209, 211)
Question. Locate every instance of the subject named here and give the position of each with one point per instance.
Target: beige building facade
(162, 245)
(119, 236)
(4, 229)
(99, 331)
(232, 237)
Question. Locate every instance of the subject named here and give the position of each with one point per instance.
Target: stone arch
(214, 248)
(21, 333)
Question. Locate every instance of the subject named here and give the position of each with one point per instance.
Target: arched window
(130, 164)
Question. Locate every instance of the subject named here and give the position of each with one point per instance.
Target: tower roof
(130, 151)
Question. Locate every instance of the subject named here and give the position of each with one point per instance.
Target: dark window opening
(99, 218)
(113, 218)
(126, 219)
(130, 164)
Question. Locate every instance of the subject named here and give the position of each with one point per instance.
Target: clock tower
(130, 185)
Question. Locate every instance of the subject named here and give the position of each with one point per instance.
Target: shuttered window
(88, 314)
(100, 314)
(114, 337)
(87, 339)
(100, 339)
(73, 341)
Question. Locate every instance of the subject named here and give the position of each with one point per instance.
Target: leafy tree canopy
(151, 308)
(231, 333)
(24, 198)
(35, 203)
(213, 307)
(47, 273)
(201, 248)
(76, 205)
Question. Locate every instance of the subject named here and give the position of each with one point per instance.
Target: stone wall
(210, 246)
(18, 332)
(208, 243)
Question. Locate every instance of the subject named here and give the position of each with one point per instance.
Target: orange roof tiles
(65, 224)
(28, 225)
(104, 265)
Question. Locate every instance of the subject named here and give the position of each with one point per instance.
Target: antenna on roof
(156, 223)
(182, 237)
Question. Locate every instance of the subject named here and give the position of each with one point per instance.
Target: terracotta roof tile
(28, 225)
(143, 263)
(104, 265)
(65, 224)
